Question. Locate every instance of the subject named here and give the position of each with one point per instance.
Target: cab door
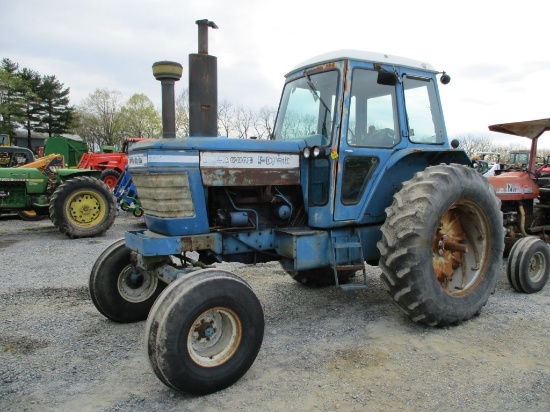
(371, 131)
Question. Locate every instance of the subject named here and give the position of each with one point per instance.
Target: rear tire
(434, 218)
(528, 265)
(204, 332)
(117, 290)
(83, 207)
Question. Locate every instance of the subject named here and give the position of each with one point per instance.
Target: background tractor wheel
(83, 207)
(117, 290)
(30, 215)
(442, 245)
(204, 332)
(110, 178)
(528, 265)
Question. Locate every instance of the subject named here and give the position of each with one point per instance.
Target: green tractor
(78, 203)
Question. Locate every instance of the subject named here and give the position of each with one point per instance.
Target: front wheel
(118, 290)
(83, 207)
(442, 245)
(528, 265)
(110, 177)
(204, 332)
(30, 215)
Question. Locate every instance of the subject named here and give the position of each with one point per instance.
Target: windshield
(307, 109)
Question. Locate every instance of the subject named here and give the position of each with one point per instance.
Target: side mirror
(455, 143)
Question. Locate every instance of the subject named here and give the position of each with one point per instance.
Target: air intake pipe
(168, 73)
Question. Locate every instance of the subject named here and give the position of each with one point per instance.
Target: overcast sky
(496, 53)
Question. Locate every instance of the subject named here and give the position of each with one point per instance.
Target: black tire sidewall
(103, 286)
(178, 313)
(527, 253)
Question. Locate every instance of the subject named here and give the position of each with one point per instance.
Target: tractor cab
(370, 121)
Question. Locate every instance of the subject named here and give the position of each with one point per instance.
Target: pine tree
(55, 112)
(29, 93)
(12, 106)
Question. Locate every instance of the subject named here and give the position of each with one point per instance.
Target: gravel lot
(324, 349)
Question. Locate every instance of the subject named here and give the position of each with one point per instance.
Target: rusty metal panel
(249, 169)
(530, 128)
(201, 242)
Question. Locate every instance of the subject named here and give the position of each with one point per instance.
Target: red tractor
(110, 164)
(525, 196)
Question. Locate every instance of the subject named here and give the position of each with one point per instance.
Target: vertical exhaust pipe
(168, 73)
(203, 86)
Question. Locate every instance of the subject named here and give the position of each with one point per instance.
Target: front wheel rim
(136, 287)
(214, 337)
(537, 267)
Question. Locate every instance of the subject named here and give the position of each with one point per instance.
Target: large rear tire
(118, 291)
(204, 332)
(528, 265)
(442, 245)
(83, 207)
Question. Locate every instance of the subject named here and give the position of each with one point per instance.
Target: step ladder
(353, 266)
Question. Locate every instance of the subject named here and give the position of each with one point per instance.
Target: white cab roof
(349, 54)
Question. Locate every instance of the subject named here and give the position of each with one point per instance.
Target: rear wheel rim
(85, 207)
(460, 248)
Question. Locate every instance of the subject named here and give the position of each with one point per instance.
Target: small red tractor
(525, 203)
(111, 165)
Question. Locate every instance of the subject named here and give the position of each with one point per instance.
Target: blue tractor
(358, 170)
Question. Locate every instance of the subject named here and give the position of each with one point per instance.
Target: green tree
(182, 114)
(29, 93)
(100, 121)
(55, 112)
(12, 106)
(140, 118)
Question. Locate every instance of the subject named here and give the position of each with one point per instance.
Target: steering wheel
(382, 138)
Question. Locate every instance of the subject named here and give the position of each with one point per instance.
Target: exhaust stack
(203, 86)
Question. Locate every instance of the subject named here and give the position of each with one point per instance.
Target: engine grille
(165, 194)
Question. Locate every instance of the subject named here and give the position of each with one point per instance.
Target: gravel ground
(324, 349)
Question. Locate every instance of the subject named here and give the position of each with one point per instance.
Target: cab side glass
(423, 113)
(372, 118)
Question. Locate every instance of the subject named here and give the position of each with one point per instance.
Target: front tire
(118, 291)
(83, 207)
(30, 215)
(204, 332)
(110, 177)
(442, 245)
(528, 265)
